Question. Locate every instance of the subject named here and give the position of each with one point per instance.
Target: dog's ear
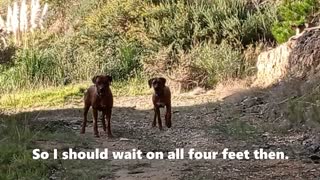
(94, 79)
(109, 78)
(163, 80)
(150, 82)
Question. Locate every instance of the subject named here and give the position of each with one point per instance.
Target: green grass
(236, 129)
(127, 38)
(87, 170)
(18, 137)
(15, 156)
(63, 95)
(305, 109)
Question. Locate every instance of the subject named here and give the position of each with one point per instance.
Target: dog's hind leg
(95, 123)
(85, 118)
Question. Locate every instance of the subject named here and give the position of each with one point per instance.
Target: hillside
(240, 76)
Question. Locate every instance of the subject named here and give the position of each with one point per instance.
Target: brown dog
(161, 98)
(99, 96)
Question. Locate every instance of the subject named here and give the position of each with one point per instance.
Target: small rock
(124, 139)
(266, 135)
(197, 91)
(315, 157)
(187, 169)
(135, 172)
(249, 101)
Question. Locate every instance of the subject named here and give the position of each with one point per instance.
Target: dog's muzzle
(99, 91)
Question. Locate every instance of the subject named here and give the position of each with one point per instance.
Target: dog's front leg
(108, 115)
(103, 119)
(84, 123)
(154, 117)
(159, 118)
(95, 122)
(168, 115)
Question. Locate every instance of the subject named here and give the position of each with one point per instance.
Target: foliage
(19, 136)
(219, 62)
(15, 157)
(31, 66)
(70, 94)
(292, 12)
(184, 24)
(305, 109)
(120, 38)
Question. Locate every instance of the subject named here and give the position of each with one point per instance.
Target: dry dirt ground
(202, 122)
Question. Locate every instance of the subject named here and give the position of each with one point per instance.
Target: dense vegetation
(195, 42)
(293, 13)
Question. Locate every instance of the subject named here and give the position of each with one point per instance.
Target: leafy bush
(119, 37)
(204, 65)
(184, 24)
(219, 62)
(305, 109)
(127, 61)
(172, 27)
(32, 66)
(15, 158)
(292, 12)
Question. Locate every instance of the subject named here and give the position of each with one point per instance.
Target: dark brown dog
(161, 98)
(99, 96)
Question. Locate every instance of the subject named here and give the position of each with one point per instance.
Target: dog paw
(97, 135)
(168, 124)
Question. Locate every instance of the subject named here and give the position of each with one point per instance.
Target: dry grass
(23, 18)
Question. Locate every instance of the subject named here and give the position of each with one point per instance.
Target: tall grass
(220, 62)
(305, 109)
(233, 21)
(224, 28)
(32, 66)
(19, 136)
(122, 38)
(22, 18)
(15, 152)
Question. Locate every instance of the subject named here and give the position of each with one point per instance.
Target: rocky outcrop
(297, 58)
(304, 60)
(272, 65)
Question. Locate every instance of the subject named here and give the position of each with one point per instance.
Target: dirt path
(201, 122)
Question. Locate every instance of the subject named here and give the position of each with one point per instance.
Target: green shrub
(116, 37)
(292, 12)
(183, 24)
(305, 109)
(127, 63)
(170, 27)
(219, 62)
(32, 66)
(15, 154)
